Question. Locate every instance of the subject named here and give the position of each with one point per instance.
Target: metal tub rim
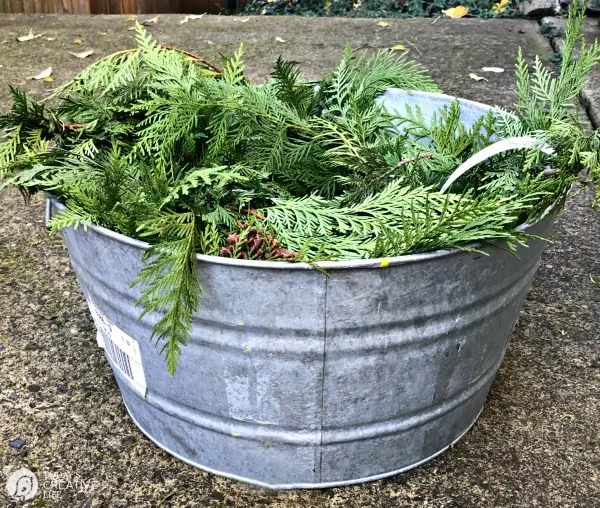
(291, 265)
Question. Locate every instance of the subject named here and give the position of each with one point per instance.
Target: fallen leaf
(151, 21)
(190, 17)
(459, 11)
(131, 29)
(476, 77)
(50, 38)
(492, 69)
(49, 79)
(131, 17)
(383, 24)
(77, 40)
(46, 73)
(243, 20)
(500, 7)
(399, 47)
(84, 54)
(4, 41)
(29, 36)
(279, 39)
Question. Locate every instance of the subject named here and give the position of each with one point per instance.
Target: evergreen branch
(170, 280)
(70, 218)
(233, 69)
(156, 143)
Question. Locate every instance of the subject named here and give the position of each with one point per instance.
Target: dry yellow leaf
(84, 54)
(29, 36)
(383, 24)
(46, 73)
(476, 77)
(77, 40)
(49, 79)
(500, 7)
(459, 11)
(399, 47)
(190, 17)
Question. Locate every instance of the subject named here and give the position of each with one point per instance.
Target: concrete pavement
(537, 441)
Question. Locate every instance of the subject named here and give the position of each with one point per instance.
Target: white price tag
(122, 350)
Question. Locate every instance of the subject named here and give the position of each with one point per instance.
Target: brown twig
(254, 212)
(404, 162)
(71, 126)
(204, 62)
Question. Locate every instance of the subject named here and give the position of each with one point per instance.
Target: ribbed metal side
(294, 379)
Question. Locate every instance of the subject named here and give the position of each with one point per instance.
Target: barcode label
(122, 350)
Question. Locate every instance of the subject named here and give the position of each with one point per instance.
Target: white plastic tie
(516, 143)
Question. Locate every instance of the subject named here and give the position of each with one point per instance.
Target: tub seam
(323, 381)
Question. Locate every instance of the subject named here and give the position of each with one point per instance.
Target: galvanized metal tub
(296, 379)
